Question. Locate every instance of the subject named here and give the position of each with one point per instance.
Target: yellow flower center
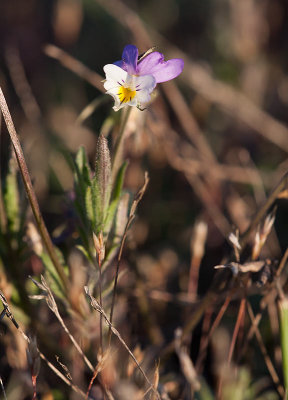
(126, 94)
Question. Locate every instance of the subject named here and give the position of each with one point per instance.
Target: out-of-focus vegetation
(198, 182)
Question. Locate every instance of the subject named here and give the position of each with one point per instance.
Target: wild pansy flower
(132, 80)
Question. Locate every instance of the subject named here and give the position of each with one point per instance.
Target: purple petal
(163, 71)
(129, 59)
(120, 64)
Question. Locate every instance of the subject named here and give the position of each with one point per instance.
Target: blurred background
(214, 141)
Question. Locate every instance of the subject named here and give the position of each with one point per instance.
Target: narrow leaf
(11, 198)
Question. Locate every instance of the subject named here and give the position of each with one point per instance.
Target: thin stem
(3, 389)
(101, 304)
(131, 217)
(267, 359)
(118, 145)
(204, 344)
(283, 314)
(95, 304)
(30, 191)
(240, 319)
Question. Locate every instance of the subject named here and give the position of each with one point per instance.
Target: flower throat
(126, 94)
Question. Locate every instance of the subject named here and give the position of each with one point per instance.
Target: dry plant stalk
(95, 304)
(48, 296)
(9, 314)
(131, 217)
(33, 358)
(3, 389)
(186, 363)
(30, 191)
(267, 359)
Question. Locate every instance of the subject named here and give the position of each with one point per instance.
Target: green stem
(30, 191)
(283, 313)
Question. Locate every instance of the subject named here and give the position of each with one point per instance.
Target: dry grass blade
(63, 378)
(267, 359)
(186, 363)
(155, 381)
(95, 304)
(30, 191)
(48, 295)
(3, 389)
(97, 370)
(135, 203)
(74, 65)
(21, 84)
(26, 338)
(274, 195)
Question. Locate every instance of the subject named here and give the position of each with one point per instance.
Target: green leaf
(85, 252)
(116, 196)
(110, 216)
(117, 190)
(11, 198)
(83, 166)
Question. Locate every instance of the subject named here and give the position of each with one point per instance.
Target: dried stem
(30, 191)
(63, 377)
(136, 201)
(74, 65)
(27, 339)
(267, 359)
(281, 187)
(204, 343)
(3, 389)
(48, 295)
(95, 304)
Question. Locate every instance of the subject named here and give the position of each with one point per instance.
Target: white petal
(111, 85)
(143, 97)
(132, 103)
(117, 106)
(146, 82)
(115, 73)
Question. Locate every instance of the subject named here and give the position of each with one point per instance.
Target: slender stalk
(101, 304)
(30, 191)
(240, 319)
(3, 389)
(118, 145)
(268, 362)
(95, 304)
(131, 217)
(283, 313)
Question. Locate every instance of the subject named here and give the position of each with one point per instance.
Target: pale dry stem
(95, 304)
